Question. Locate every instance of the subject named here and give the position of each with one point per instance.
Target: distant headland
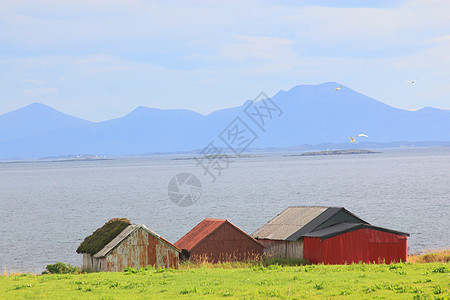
(337, 152)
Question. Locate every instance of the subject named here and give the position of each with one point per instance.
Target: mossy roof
(102, 236)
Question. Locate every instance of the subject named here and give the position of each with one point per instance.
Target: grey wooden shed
(283, 235)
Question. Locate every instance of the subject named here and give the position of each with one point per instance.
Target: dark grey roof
(295, 221)
(344, 227)
(330, 217)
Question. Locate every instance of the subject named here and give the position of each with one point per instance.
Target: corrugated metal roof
(124, 234)
(287, 223)
(206, 227)
(347, 227)
(331, 216)
(199, 233)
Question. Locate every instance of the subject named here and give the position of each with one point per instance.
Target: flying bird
(413, 81)
(338, 88)
(353, 140)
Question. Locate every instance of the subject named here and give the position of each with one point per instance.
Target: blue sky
(101, 59)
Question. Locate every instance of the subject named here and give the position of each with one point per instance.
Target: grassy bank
(430, 256)
(358, 281)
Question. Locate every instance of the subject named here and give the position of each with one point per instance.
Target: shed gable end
(227, 232)
(140, 249)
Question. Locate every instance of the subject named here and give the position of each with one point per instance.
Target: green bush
(441, 269)
(130, 270)
(61, 268)
(284, 262)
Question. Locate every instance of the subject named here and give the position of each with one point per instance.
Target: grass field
(357, 281)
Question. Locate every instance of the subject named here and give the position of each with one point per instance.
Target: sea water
(48, 208)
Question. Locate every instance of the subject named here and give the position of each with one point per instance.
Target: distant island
(337, 152)
(83, 157)
(218, 156)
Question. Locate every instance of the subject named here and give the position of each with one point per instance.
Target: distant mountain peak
(330, 83)
(246, 103)
(37, 106)
(428, 108)
(141, 109)
(143, 112)
(35, 110)
(323, 84)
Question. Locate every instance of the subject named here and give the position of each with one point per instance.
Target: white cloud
(34, 81)
(40, 91)
(256, 47)
(183, 27)
(442, 39)
(182, 54)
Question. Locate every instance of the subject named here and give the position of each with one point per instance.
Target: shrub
(61, 268)
(284, 262)
(442, 269)
(130, 270)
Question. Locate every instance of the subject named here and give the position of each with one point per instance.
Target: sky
(101, 59)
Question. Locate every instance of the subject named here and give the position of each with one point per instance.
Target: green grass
(102, 236)
(357, 281)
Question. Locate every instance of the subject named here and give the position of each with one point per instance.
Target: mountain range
(306, 114)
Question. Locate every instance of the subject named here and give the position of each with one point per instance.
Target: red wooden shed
(352, 242)
(330, 235)
(283, 235)
(218, 240)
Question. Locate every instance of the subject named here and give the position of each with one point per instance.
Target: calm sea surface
(48, 208)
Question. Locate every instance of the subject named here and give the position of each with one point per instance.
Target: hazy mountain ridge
(312, 114)
(34, 119)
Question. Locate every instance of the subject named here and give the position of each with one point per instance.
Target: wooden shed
(352, 243)
(119, 244)
(310, 232)
(218, 240)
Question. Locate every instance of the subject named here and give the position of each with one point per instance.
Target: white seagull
(413, 81)
(353, 140)
(338, 88)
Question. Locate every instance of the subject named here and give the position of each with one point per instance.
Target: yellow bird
(352, 139)
(338, 88)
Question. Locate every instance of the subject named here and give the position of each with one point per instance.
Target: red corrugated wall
(226, 244)
(362, 245)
